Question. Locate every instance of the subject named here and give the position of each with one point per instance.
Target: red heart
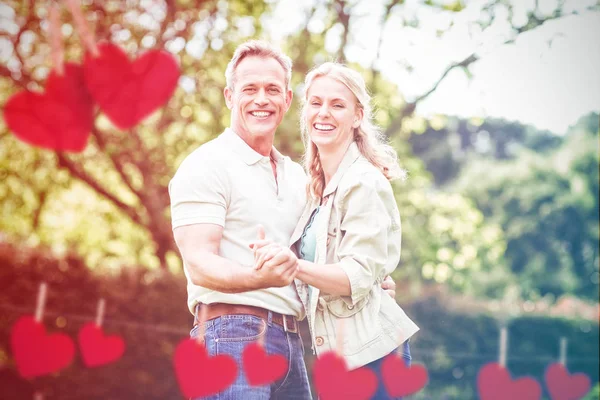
(334, 382)
(128, 92)
(494, 383)
(400, 380)
(59, 119)
(261, 368)
(35, 352)
(563, 386)
(199, 374)
(97, 349)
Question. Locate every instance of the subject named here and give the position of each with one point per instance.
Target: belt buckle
(285, 326)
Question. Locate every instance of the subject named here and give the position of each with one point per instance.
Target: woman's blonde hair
(369, 138)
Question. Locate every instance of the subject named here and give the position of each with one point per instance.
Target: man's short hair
(258, 48)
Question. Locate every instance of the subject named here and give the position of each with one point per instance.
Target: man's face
(259, 99)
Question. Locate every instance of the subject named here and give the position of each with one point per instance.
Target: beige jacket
(359, 228)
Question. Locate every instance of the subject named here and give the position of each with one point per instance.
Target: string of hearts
(37, 353)
(62, 117)
(199, 374)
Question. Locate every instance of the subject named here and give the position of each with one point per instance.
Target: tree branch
(409, 109)
(160, 40)
(28, 20)
(384, 20)
(42, 197)
(132, 213)
(115, 161)
(344, 18)
(5, 72)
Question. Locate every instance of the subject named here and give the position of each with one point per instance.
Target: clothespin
(86, 35)
(39, 314)
(41, 302)
(100, 312)
(56, 47)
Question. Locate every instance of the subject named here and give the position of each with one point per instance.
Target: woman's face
(331, 114)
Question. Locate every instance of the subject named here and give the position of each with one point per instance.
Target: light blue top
(308, 240)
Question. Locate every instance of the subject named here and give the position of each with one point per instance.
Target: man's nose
(261, 98)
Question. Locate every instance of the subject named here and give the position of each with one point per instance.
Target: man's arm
(199, 247)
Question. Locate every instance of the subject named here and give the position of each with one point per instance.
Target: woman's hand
(266, 250)
(389, 286)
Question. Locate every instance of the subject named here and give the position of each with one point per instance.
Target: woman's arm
(329, 278)
(369, 247)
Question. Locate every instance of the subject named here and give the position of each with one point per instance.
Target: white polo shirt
(226, 182)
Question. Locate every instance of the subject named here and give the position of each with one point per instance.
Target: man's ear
(227, 93)
(289, 95)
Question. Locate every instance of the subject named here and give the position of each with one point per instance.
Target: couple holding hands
(328, 232)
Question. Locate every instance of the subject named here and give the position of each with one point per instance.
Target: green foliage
(110, 204)
(594, 393)
(147, 308)
(455, 346)
(547, 205)
(449, 144)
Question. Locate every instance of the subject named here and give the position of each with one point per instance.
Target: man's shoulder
(296, 169)
(210, 154)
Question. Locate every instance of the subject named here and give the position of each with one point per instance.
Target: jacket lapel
(310, 206)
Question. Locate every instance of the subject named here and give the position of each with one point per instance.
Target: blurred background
(493, 107)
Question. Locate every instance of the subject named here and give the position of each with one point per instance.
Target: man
(219, 195)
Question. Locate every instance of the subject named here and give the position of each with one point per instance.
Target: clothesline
(183, 332)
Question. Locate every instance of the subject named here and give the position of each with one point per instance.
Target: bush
(148, 309)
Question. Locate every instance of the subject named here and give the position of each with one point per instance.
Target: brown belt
(215, 310)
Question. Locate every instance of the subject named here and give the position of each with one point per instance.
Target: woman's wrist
(302, 267)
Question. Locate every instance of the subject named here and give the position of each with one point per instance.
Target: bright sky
(549, 87)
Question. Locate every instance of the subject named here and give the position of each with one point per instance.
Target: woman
(348, 238)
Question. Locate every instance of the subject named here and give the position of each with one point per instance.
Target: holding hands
(276, 265)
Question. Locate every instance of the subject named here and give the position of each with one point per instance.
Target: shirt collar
(351, 155)
(247, 153)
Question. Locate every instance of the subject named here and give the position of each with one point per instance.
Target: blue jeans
(375, 366)
(234, 332)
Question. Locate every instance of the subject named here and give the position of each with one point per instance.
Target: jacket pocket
(361, 323)
(343, 309)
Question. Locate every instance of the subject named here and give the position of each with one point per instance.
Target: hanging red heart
(333, 381)
(199, 374)
(563, 386)
(60, 119)
(35, 352)
(98, 349)
(261, 368)
(400, 380)
(494, 383)
(127, 92)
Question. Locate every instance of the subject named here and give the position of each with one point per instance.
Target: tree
(447, 144)
(111, 202)
(547, 205)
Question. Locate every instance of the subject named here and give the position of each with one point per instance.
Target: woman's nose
(323, 111)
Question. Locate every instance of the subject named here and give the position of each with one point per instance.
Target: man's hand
(389, 286)
(275, 265)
